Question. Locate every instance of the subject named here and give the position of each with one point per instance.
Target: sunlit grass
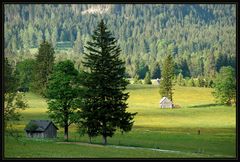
(173, 129)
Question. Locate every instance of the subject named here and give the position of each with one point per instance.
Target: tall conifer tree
(105, 106)
(43, 67)
(166, 82)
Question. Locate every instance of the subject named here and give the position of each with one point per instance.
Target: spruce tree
(43, 67)
(156, 71)
(166, 83)
(105, 101)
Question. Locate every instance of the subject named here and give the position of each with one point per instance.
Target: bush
(147, 79)
(31, 127)
(136, 80)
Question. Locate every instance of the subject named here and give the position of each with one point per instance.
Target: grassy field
(169, 129)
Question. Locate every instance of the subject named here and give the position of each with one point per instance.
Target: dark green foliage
(225, 86)
(147, 31)
(184, 68)
(10, 79)
(147, 79)
(166, 83)
(43, 67)
(156, 71)
(14, 101)
(224, 60)
(142, 69)
(63, 92)
(24, 73)
(31, 127)
(105, 102)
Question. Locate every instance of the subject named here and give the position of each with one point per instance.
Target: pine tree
(166, 83)
(105, 107)
(43, 67)
(156, 71)
(147, 79)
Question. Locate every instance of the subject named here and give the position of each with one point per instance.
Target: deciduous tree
(225, 86)
(63, 92)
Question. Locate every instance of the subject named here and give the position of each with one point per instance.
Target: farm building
(166, 103)
(41, 129)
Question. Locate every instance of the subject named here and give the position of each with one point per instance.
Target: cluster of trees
(224, 84)
(200, 37)
(93, 99)
(200, 81)
(14, 101)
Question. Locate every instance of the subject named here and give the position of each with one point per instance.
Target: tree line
(201, 37)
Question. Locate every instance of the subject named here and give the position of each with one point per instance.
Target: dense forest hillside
(201, 37)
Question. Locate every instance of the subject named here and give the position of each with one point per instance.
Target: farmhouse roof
(164, 98)
(42, 125)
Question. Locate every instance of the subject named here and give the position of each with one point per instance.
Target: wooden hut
(41, 129)
(166, 103)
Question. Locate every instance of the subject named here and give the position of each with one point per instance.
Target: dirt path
(144, 148)
(127, 147)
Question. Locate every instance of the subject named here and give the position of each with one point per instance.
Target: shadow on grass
(205, 105)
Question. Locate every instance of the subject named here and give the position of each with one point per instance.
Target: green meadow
(154, 128)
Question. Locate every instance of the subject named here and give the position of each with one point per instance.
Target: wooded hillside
(201, 37)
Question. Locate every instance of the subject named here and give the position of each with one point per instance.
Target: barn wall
(166, 105)
(35, 135)
(50, 132)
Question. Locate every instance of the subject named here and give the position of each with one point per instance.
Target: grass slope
(170, 129)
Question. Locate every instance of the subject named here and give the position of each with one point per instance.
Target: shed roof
(42, 125)
(164, 98)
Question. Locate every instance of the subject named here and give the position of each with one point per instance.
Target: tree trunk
(104, 134)
(66, 132)
(104, 140)
(90, 139)
(229, 102)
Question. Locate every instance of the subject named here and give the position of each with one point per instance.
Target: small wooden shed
(166, 103)
(41, 129)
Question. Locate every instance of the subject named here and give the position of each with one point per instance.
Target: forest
(200, 37)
